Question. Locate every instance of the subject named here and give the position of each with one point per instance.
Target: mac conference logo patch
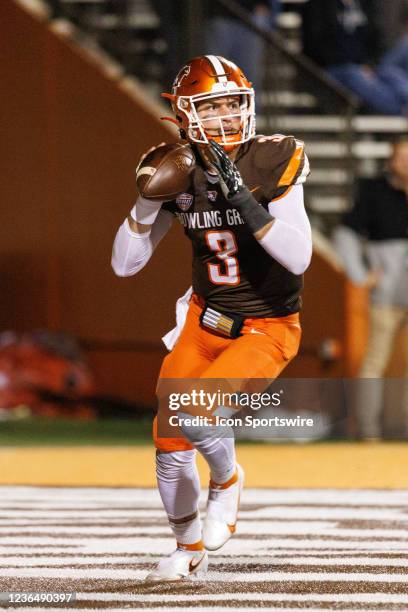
(184, 201)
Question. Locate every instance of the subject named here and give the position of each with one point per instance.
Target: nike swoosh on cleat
(192, 566)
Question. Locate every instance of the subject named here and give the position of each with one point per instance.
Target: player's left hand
(230, 178)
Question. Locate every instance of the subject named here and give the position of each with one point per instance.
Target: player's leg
(179, 486)
(262, 352)
(188, 359)
(177, 476)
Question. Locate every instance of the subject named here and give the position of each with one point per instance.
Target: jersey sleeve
(283, 162)
(170, 207)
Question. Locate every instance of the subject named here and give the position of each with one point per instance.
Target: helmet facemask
(197, 128)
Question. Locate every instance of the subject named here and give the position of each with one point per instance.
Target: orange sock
(225, 485)
(196, 546)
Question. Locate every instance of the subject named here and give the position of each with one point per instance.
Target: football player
(251, 237)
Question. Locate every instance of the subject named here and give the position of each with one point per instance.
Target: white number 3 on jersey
(224, 245)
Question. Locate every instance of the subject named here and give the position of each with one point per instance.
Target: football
(165, 172)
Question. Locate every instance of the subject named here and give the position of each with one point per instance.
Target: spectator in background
(229, 37)
(392, 21)
(380, 218)
(173, 24)
(343, 37)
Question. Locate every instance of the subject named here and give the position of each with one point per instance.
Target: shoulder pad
(282, 159)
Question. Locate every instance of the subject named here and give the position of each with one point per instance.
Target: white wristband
(145, 211)
(136, 234)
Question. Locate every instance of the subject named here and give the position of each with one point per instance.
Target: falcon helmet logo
(185, 71)
(212, 195)
(184, 201)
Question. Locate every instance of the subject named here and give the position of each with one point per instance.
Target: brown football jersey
(231, 270)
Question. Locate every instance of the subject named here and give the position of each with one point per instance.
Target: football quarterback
(242, 208)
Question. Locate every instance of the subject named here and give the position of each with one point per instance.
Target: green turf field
(40, 431)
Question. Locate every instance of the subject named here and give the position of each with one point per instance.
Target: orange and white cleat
(182, 564)
(222, 511)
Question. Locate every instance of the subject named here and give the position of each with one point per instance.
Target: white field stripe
(82, 560)
(371, 598)
(86, 494)
(325, 497)
(49, 504)
(99, 492)
(353, 497)
(24, 550)
(218, 67)
(377, 562)
(216, 557)
(325, 514)
(75, 507)
(85, 497)
(128, 574)
(350, 560)
(257, 494)
(106, 497)
(101, 513)
(134, 497)
(166, 545)
(319, 513)
(95, 531)
(244, 529)
(52, 506)
(42, 522)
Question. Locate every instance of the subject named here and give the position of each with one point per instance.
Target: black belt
(227, 324)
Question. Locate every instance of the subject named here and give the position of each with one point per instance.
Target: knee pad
(170, 465)
(197, 434)
(179, 483)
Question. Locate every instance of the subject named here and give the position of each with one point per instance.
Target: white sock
(217, 446)
(179, 487)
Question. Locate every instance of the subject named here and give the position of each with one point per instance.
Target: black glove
(234, 189)
(230, 178)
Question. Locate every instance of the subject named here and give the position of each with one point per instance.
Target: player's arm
(138, 236)
(283, 230)
(289, 238)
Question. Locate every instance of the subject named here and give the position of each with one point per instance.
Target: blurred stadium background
(80, 348)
